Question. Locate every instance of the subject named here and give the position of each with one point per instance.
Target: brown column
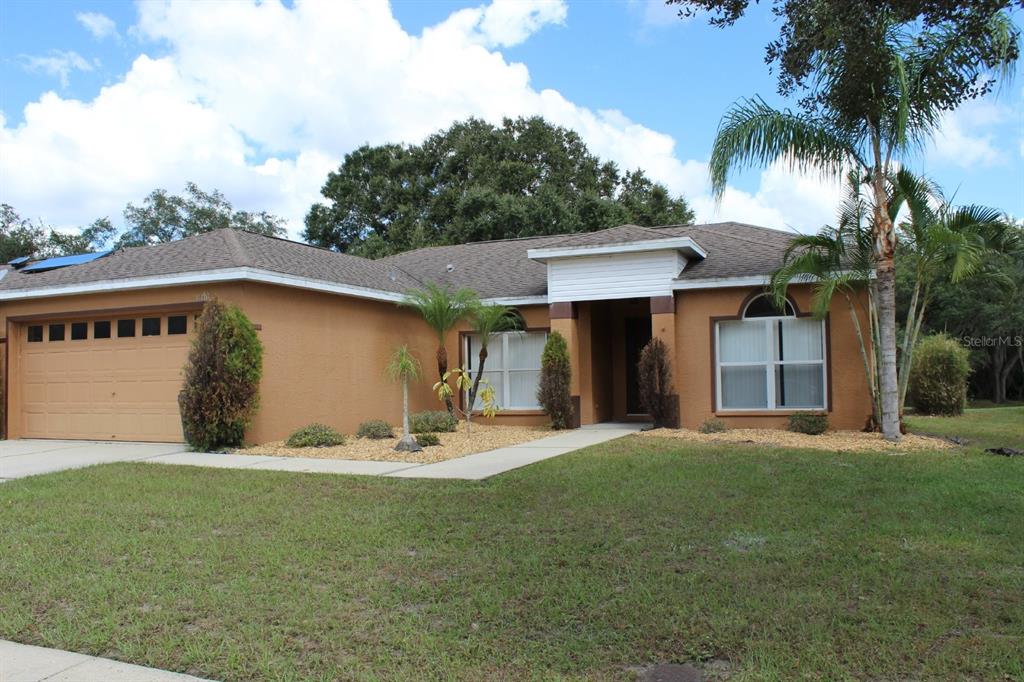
(663, 326)
(565, 321)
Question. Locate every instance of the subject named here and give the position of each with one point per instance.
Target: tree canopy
(22, 237)
(477, 181)
(161, 217)
(861, 30)
(164, 217)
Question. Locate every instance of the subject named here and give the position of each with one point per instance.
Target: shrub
(655, 379)
(315, 436)
(428, 439)
(555, 375)
(433, 421)
(808, 422)
(220, 392)
(376, 429)
(938, 377)
(713, 426)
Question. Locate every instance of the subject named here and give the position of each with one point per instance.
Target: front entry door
(638, 334)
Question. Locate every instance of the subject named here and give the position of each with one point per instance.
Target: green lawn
(767, 564)
(988, 427)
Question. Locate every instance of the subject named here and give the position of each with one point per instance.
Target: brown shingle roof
(218, 250)
(494, 269)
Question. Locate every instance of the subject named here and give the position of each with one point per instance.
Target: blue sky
(262, 101)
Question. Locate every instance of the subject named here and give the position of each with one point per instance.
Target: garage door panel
(117, 388)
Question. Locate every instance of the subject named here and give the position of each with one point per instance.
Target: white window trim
(769, 368)
(504, 401)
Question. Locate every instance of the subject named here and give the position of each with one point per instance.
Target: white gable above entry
(615, 271)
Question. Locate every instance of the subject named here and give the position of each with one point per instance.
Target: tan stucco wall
(850, 401)
(324, 355)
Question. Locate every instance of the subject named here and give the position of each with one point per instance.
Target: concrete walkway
(20, 458)
(24, 663)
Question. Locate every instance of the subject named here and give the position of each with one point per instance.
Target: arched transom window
(770, 359)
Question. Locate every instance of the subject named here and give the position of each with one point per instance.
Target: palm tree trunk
(476, 387)
(442, 369)
(405, 408)
(885, 268)
(908, 342)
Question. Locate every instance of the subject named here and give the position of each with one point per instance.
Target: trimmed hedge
(220, 393)
(315, 436)
(432, 421)
(811, 423)
(376, 429)
(938, 377)
(555, 375)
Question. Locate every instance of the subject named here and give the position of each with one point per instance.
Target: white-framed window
(770, 360)
(512, 367)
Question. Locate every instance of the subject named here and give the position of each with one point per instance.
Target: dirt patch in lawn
(456, 444)
(837, 441)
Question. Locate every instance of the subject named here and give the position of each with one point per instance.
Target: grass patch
(988, 427)
(779, 563)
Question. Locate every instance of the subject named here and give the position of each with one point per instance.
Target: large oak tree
(477, 181)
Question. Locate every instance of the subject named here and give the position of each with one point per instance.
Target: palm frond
(752, 133)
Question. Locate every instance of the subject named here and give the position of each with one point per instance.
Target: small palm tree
(487, 320)
(839, 261)
(941, 242)
(441, 309)
(404, 367)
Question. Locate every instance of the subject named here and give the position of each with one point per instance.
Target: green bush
(938, 377)
(555, 375)
(220, 393)
(428, 439)
(811, 423)
(432, 421)
(376, 429)
(315, 436)
(655, 379)
(713, 426)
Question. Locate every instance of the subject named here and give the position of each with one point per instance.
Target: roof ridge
(238, 251)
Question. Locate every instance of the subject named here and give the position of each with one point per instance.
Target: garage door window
(56, 332)
(35, 333)
(151, 326)
(79, 331)
(101, 329)
(177, 324)
(125, 328)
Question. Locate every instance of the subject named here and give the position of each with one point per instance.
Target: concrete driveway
(20, 458)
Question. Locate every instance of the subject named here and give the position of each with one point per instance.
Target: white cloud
(99, 25)
(967, 136)
(262, 100)
(57, 63)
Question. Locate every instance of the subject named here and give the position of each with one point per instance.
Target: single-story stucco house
(95, 349)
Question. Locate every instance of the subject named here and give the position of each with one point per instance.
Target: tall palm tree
(889, 121)
(404, 367)
(441, 309)
(485, 321)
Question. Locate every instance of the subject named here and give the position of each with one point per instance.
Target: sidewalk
(24, 663)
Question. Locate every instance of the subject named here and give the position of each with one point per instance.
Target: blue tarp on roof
(18, 261)
(63, 261)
